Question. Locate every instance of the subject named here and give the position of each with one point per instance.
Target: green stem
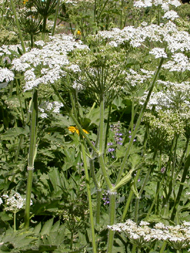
(101, 126)
(111, 221)
(32, 154)
(185, 172)
(75, 120)
(56, 15)
(44, 28)
(102, 143)
(32, 40)
(134, 248)
(18, 25)
(162, 250)
(127, 205)
(14, 221)
(107, 129)
(130, 197)
(98, 205)
(104, 172)
(89, 198)
(123, 165)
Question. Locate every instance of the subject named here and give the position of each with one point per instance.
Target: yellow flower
(73, 129)
(78, 32)
(25, 1)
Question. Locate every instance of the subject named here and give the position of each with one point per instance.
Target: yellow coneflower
(73, 129)
(78, 32)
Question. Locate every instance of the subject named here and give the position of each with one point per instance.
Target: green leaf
(47, 227)
(15, 132)
(56, 226)
(3, 85)
(38, 228)
(55, 178)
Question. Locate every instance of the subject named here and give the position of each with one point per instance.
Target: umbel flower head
(44, 66)
(13, 202)
(177, 236)
(101, 70)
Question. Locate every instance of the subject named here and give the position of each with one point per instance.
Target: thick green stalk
(104, 172)
(138, 123)
(101, 126)
(185, 172)
(32, 154)
(14, 221)
(111, 220)
(130, 197)
(102, 143)
(89, 198)
(107, 129)
(134, 248)
(56, 15)
(162, 250)
(138, 199)
(18, 25)
(98, 205)
(127, 205)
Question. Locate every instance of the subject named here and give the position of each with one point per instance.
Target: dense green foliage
(94, 126)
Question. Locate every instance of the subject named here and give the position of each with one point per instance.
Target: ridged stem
(18, 25)
(32, 155)
(138, 123)
(89, 198)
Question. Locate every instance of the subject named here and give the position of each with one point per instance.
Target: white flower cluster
(163, 3)
(50, 107)
(6, 75)
(178, 236)
(171, 15)
(175, 96)
(49, 60)
(14, 202)
(133, 78)
(166, 34)
(8, 49)
(158, 52)
(180, 63)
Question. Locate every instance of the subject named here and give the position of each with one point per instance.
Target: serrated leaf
(47, 227)
(56, 226)
(38, 228)
(55, 179)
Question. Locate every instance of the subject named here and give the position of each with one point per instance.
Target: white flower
(175, 3)
(6, 75)
(39, 43)
(113, 44)
(143, 4)
(74, 67)
(49, 60)
(77, 86)
(165, 7)
(171, 15)
(48, 107)
(180, 63)
(29, 75)
(14, 202)
(158, 52)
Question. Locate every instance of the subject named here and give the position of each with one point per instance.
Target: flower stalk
(89, 198)
(32, 154)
